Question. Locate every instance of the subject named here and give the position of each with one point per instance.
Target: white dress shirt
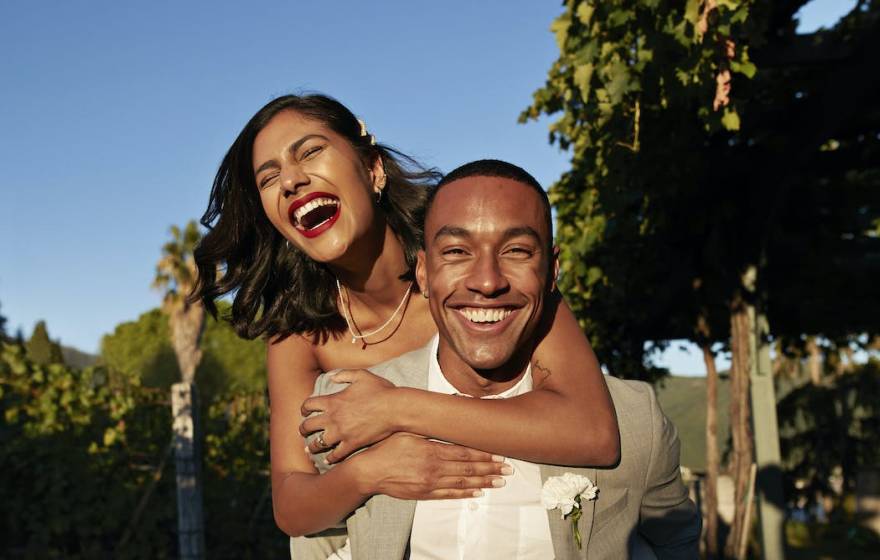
(507, 522)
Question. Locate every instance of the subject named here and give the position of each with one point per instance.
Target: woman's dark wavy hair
(279, 290)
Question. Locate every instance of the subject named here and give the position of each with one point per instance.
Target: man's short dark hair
(495, 168)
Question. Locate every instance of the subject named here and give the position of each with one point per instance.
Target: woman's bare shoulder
(294, 353)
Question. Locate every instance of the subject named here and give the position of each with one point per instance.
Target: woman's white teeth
(312, 205)
(482, 315)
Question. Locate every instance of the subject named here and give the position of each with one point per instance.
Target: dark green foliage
(40, 349)
(238, 501)
(142, 349)
(76, 358)
(79, 450)
(2, 327)
(823, 427)
(668, 201)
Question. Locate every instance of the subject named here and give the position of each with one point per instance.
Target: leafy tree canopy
(41, 349)
(142, 349)
(707, 138)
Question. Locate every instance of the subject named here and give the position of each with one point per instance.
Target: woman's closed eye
(311, 152)
(267, 180)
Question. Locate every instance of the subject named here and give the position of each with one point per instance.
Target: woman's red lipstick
(323, 226)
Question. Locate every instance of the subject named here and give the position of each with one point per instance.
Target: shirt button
(473, 506)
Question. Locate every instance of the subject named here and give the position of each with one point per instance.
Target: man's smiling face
(487, 264)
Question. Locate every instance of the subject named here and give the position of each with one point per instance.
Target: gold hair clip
(365, 133)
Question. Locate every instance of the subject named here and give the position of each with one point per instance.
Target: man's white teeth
(482, 315)
(311, 205)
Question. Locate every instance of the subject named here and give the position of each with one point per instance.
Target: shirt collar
(438, 383)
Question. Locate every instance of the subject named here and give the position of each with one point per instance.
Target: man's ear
(421, 275)
(554, 266)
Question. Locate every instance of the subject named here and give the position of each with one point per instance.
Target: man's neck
(480, 382)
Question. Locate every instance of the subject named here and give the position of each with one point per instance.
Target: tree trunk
(711, 486)
(814, 360)
(739, 418)
(187, 324)
(187, 457)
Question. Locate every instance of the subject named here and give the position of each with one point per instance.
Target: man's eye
(454, 251)
(520, 252)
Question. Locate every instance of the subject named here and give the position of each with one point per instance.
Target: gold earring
(380, 187)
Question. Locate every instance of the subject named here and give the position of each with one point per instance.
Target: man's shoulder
(636, 405)
(407, 370)
(405, 363)
(629, 389)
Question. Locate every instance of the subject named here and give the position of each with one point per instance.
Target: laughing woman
(316, 228)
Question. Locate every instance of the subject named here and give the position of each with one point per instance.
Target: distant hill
(683, 399)
(78, 358)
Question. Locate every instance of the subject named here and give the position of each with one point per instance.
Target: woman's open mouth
(314, 213)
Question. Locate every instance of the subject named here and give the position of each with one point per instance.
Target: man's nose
(292, 179)
(486, 277)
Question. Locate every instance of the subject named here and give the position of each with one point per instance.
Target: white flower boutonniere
(565, 493)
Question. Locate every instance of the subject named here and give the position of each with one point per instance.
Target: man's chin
(487, 358)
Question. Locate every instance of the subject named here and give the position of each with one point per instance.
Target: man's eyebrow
(509, 233)
(293, 148)
(453, 231)
(527, 231)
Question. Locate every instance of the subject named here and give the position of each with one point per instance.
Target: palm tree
(176, 276)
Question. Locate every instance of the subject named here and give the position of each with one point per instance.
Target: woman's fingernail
(498, 482)
(506, 469)
(477, 493)
(498, 458)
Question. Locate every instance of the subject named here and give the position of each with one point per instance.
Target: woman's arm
(404, 466)
(568, 419)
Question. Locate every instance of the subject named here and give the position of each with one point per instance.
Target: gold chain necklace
(349, 321)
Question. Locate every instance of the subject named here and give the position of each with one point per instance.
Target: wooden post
(747, 523)
(187, 459)
(767, 455)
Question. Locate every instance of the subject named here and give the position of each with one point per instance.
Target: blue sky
(114, 116)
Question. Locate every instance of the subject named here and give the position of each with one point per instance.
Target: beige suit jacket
(642, 503)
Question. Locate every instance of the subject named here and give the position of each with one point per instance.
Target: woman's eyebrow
(293, 148)
(266, 165)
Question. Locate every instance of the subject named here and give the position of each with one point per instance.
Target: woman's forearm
(307, 503)
(541, 426)
(404, 466)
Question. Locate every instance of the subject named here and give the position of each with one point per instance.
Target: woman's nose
(292, 179)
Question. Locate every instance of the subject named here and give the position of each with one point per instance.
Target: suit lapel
(564, 545)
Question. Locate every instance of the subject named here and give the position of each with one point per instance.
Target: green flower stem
(575, 516)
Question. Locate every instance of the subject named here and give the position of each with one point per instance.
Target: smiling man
(488, 269)
(488, 265)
